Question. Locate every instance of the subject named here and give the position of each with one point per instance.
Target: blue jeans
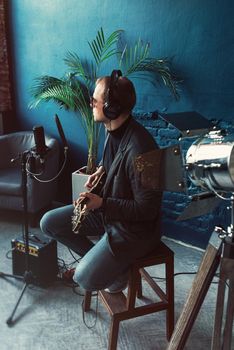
(98, 268)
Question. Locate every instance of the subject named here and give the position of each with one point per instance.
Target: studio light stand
(26, 157)
(209, 164)
(220, 251)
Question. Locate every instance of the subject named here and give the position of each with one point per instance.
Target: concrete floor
(51, 318)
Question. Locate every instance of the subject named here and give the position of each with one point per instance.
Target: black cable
(75, 259)
(162, 279)
(74, 287)
(8, 252)
(63, 268)
(185, 273)
(56, 176)
(96, 312)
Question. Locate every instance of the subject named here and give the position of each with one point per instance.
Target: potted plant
(74, 89)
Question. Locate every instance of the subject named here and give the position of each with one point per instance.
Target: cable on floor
(96, 312)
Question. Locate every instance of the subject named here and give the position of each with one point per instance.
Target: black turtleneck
(115, 137)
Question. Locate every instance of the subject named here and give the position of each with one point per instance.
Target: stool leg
(170, 315)
(114, 331)
(133, 285)
(139, 288)
(87, 300)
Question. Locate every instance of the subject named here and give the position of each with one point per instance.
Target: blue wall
(198, 34)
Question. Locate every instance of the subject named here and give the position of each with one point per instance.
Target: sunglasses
(93, 102)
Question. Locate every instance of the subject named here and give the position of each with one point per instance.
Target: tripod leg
(226, 273)
(217, 332)
(197, 293)
(10, 319)
(227, 336)
(2, 274)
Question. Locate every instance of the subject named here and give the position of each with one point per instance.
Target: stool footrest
(114, 302)
(116, 306)
(154, 285)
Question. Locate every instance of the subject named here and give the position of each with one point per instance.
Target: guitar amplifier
(43, 261)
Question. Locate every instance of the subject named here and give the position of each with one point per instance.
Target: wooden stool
(122, 307)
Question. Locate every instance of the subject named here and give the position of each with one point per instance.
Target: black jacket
(131, 212)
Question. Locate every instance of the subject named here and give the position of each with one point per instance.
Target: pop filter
(61, 132)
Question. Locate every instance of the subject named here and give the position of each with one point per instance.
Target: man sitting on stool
(126, 215)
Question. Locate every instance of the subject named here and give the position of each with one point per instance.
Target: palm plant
(74, 89)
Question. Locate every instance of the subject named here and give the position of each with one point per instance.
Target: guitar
(80, 211)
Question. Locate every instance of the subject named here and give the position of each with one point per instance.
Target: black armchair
(40, 195)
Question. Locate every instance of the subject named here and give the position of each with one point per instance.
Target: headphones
(112, 108)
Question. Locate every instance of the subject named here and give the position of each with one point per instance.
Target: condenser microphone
(39, 138)
(61, 133)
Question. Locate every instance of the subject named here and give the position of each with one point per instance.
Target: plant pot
(79, 178)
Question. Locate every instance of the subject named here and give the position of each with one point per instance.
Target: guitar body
(80, 210)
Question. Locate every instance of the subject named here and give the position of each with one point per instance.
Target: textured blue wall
(198, 34)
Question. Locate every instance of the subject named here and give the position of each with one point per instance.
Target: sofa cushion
(10, 181)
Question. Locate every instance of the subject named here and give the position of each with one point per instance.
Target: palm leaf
(61, 95)
(133, 56)
(43, 83)
(103, 49)
(67, 93)
(135, 61)
(41, 86)
(80, 69)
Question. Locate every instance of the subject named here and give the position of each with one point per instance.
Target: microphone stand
(40, 150)
(28, 277)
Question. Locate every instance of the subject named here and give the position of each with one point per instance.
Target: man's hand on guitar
(92, 179)
(88, 200)
(92, 201)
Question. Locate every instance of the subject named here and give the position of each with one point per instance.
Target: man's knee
(43, 223)
(94, 272)
(46, 224)
(89, 278)
(83, 277)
